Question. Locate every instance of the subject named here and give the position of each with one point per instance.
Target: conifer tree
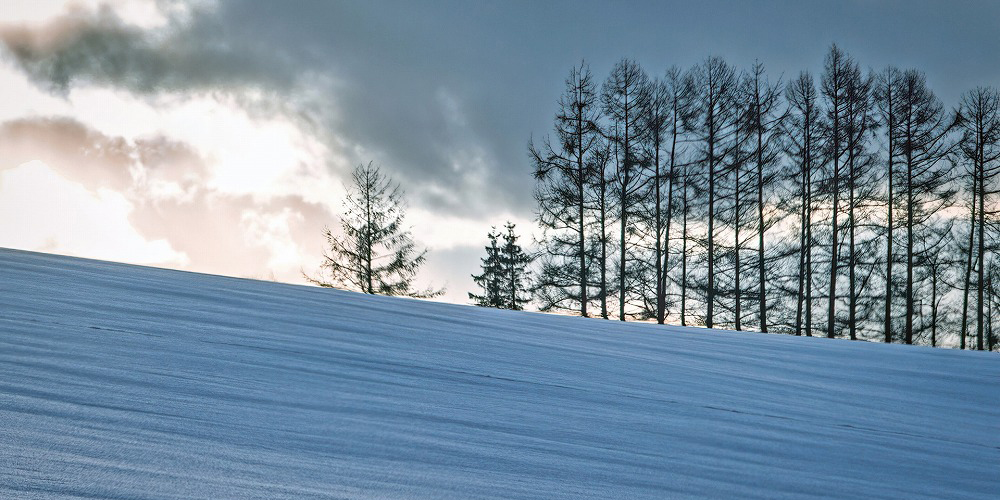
(505, 279)
(491, 279)
(516, 278)
(376, 253)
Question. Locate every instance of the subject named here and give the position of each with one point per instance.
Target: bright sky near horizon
(215, 136)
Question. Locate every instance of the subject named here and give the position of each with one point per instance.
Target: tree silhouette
(490, 280)
(375, 254)
(505, 279)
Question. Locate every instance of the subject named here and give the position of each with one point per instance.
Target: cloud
(41, 210)
(326, 77)
(96, 46)
(214, 135)
(80, 154)
(69, 188)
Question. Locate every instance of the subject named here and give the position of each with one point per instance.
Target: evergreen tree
(516, 278)
(491, 279)
(505, 279)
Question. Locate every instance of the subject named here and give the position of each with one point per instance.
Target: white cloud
(23, 98)
(271, 231)
(247, 141)
(42, 211)
(446, 232)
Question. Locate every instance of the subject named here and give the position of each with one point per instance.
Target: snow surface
(119, 381)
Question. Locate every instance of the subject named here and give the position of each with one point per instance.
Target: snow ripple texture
(127, 382)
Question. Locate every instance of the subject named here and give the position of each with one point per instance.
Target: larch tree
(859, 127)
(564, 175)
(375, 253)
(803, 129)
(669, 105)
(924, 177)
(679, 90)
(712, 125)
(886, 93)
(625, 96)
(837, 72)
(655, 121)
(979, 148)
(764, 120)
(601, 207)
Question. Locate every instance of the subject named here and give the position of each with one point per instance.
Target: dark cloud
(443, 95)
(503, 64)
(97, 47)
(418, 91)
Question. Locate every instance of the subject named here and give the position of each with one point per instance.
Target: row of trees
(856, 205)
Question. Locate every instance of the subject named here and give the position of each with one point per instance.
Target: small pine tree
(491, 278)
(505, 279)
(516, 275)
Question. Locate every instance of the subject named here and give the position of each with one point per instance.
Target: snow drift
(119, 381)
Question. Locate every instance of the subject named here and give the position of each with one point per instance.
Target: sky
(217, 136)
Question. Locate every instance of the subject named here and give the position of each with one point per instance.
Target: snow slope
(119, 381)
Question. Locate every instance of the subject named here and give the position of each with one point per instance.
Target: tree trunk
(909, 234)
(832, 311)
(670, 203)
(711, 220)
(852, 261)
(934, 308)
(581, 176)
(737, 289)
(684, 246)
(963, 333)
(982, 252)
(658, 246)
(761, 278)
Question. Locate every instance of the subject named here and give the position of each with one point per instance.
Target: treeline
(849, 204)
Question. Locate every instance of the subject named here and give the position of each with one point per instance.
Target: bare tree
(599, 239)
(859, 126)
(887, 89)
(564, 173)
(713, 125)
(375, 254)
(764, 120)
(923, 142)
(979, 120)
(803, 133)
(625, 96)
(838, 68)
